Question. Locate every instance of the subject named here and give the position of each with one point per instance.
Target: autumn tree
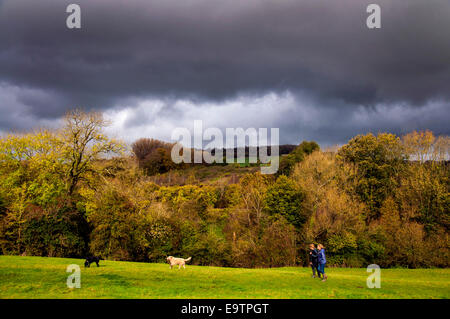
(334, 217)
(33, 180)
(377, 160)
(112, 215)
(254, 187)
(404, 239)
(153, 156)
(424, 146)
(83, 143)
(423, 192)
(158, 162)
(31, 161)
(297, 155)
(146, 146)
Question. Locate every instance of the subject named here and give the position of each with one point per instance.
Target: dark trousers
(314, 268)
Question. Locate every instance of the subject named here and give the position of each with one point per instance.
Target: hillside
(375, 200)
(203, 174)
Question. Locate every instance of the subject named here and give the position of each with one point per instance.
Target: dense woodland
(74, 192)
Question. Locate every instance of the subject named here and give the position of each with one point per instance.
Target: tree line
(73, 192)
(154, 156)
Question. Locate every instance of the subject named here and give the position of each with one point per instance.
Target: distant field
(208, 175)
(38, 277)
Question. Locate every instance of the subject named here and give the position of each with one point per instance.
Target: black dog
(90, 260)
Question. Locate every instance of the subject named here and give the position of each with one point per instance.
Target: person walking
(313, 260)
(322, 261)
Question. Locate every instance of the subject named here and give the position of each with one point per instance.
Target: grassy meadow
(42, 277)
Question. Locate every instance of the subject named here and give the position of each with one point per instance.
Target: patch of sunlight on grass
(40, 277)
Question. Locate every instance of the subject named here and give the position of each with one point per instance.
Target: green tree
(158, 162)
(288, 162)
(378, 162)
(32, 161)
(113, 218)
(285, 199)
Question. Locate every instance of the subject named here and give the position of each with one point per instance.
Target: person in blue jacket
(322, 261)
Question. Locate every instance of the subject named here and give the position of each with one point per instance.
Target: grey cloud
(298, 117)
(16, 115)
(208, 50)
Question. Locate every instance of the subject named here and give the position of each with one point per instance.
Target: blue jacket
(322, 259)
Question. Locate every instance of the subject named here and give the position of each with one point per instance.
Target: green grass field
(37, 277)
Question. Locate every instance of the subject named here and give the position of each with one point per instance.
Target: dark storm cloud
(337, 125)
(207, 50)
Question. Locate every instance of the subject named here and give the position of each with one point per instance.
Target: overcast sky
(310, 67)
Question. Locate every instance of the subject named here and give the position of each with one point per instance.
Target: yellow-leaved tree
(84, 142)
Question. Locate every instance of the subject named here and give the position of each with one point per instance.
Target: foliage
(379, 199)
(284, 198)
(82, 143)
(32, 168)
(154, 156)
(254, 188)
(297, 155)
(145, 146)
(377, 159)
(59, 230)
(158, 162)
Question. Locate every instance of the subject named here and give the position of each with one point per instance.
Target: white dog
(177, 261)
